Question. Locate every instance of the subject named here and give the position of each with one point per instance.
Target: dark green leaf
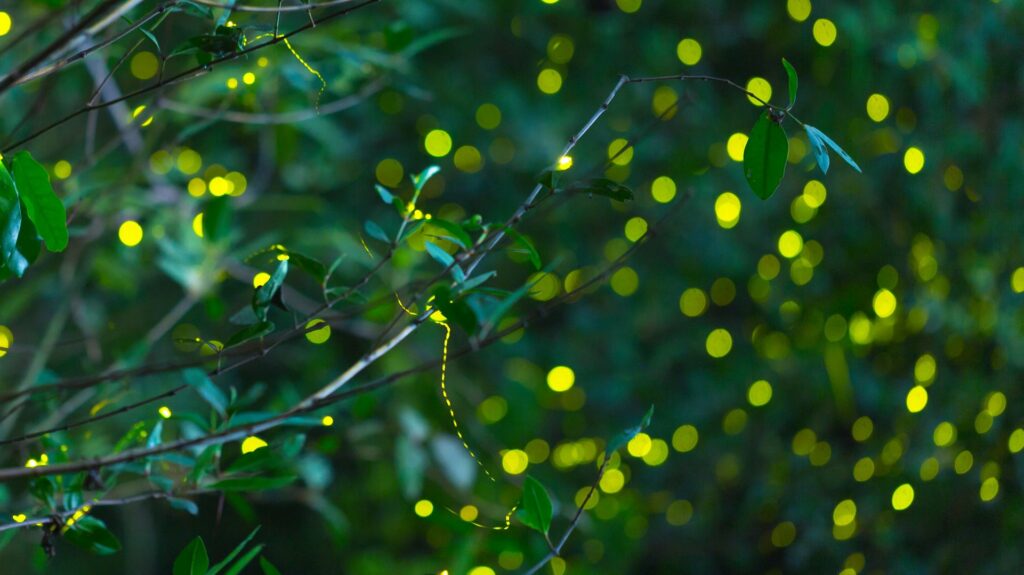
(231, 556)
(375, 231)
(476, 281)
(535, 506)
(91, 534)
(152, 39)
(193, 559)
(251, 332)
(10, 224)
(268, 292)
(217, 219)
(603, 187)
(244, 560)
(459, 235)
(198, 380)
(253, 483)
(526, 244)
(440, 256)
(455, 310)
(764, 160)
(793, 82)
(549, 179)
(268, 567)
(831, 143)
(43, 206)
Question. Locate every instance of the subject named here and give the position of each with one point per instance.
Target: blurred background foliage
(835, 371)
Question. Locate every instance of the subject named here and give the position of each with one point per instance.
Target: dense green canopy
(398, 283)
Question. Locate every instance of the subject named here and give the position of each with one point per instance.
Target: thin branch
(272, 9)
(185, 75)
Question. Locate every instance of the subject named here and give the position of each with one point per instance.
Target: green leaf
(455, 310)
(217, 219)
(193, 559)
(535, 506)
(198, 380)
(385, 196)
(91, 534)
(764, 160)
(264, 294)
(419, 180)
(44, 207)
(793, 82)
(476, 281)
(817, 147)
(623, 438)
(549, 179)
(603, 187)
(440, 256)
(253, 483)
(231, 556)
(10, 224)
(250, 332)
(375, 231)
(527, 245)
(835, 147)
(459, 235)
(268, 567)
(244, 560)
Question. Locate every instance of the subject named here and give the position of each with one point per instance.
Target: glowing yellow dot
(62, 170)
(220, 186)
(252, 443)
(878, 107)
(963, 462)
(196, 187)
(620, 152)
(689, 51)
(259, 279)
(629, 6)
(814, 194)
(727, 210)
(844, 513)
(719, 343)
(263, 62)
(469, 513)
(488, 116)
(944, 434)
(130, 233)
(564, 163)
(5, 27)
(760, 88)
(917, 398)
(515, 461)
(189, 161)
(6, 339)
(549, 81)
(824, 32)
(635, 228)
(612, 481)
(791, 243)
(799, 10)
(625, 281)
(640, 445)
(784, 534)
(389, 172)
(438, 143)
(146, 121)
(693, 302)
(232, 83)
(679, 512)
(913, 160)
(663, 189)
(320, 334)
(561, 378)
(902, 497)
(862, 428)
(468, 159)
(165, 412)
(550, 1)
(664, 101)
(423, 508)
(561, 49)
(484, 570)
(884, 303)
(1016, 441)
(144, 65)
(20, 517)
(735, 146)
(197, 224)
(327, 421)
(685, 438)
(864, 469)
(249, 78)
(1017, 280)
(989, 489)
(759, 393)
